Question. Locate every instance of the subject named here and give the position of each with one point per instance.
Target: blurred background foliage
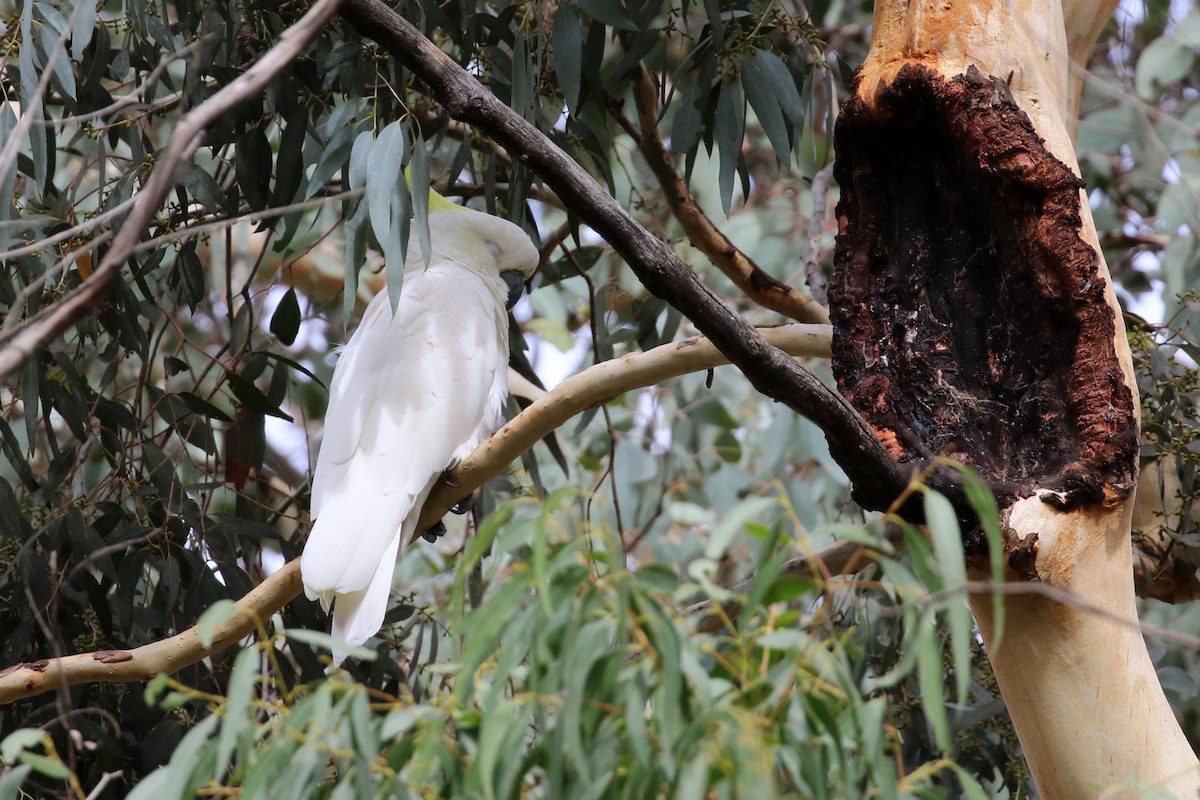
(569, 639)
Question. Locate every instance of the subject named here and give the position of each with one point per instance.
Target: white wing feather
(408, 394)
(411, 394)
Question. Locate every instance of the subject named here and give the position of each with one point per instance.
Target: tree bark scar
(968, 313)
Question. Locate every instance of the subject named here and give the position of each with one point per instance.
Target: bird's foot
(464, 505)
(448, 478)
(436, 530)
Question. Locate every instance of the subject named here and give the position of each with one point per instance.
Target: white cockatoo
(412, 393)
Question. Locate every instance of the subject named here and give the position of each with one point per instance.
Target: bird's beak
(515, 282)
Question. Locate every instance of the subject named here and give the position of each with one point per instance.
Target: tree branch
(165, 656)
(877, 479)
(185, 140)
(701, 232)
(597, 384)
(840, 558)
(594, 385)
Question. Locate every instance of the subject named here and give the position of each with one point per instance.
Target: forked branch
(748, 276)
(876, 477)
(594, 385)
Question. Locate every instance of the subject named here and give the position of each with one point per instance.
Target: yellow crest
(436, 201)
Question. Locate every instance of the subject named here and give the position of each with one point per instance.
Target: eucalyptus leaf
(729, 126)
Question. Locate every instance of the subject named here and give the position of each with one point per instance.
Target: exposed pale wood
(1080, 688)
(1082, 692)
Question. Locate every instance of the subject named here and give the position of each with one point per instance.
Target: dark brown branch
(876, 477)
(706, 237)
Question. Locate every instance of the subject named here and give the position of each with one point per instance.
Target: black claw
(464, 505)
(448, 479)
(434, 532)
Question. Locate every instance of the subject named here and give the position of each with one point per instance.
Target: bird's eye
(495, 250)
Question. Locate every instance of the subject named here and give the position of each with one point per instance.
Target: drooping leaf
(728, 128)
(942, 524)
(568, 55)
(285, 322)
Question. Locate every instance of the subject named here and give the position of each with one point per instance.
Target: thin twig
(840, 558)
(706, 237)
(185, 140)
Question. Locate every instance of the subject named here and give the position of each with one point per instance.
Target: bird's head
(479, 241)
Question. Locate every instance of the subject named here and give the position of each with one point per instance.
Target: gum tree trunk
(974, 316)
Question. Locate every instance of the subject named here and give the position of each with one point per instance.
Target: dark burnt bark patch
(969, 316)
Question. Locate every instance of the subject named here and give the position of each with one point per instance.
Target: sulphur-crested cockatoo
(412, 393)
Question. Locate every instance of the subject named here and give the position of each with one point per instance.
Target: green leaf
(980, 496)
(252, 398)
(285, 322)
(237, 706)
(191, 276)
(50, 767)
(1164, 61)
(567, 38)
(729, 126)
(213, 617)
(764, 99)
(57, 56)
(929, 677)
(388, 203)
(336, 153)
(419, 192)
(360, 160)
(289, 172)
(1187, 32)
(12, 781)
(252, 164)
(18, 742)
(734, 521)
(495, 743)
(198, 405)
(688, 122)
(204, 188)
(82, 27)
(971, 790)
(522, 89)
(155, 687)
(30, 75)
(385, 173)
(1174, 679)
(711, 411)
(176, 779)
(942, 524)
(330, 643)
(610, 12)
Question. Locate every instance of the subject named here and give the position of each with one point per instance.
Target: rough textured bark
(974, 316)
